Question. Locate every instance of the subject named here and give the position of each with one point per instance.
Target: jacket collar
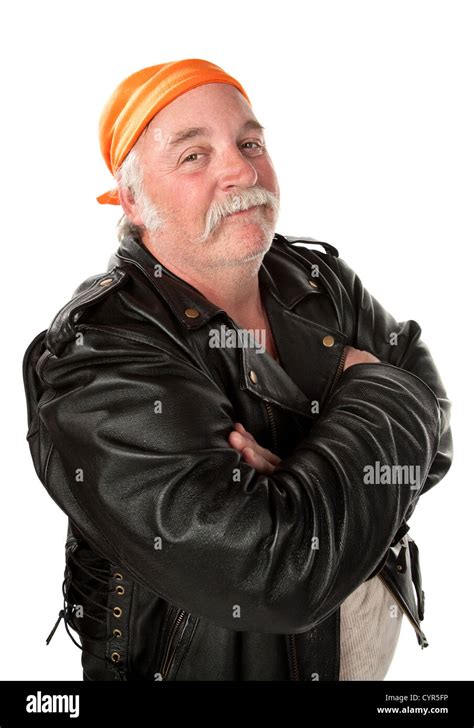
(286, 279)
(182, 296)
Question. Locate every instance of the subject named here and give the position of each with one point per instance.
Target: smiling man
(207, 410)
(192, 158)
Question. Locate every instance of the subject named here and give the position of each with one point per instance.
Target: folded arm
(398, 343)
(142, 465)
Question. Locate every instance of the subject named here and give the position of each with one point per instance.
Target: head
(199, 186)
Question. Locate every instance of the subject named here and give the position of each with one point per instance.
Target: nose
(236, 170)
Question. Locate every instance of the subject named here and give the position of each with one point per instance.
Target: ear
(129, 205)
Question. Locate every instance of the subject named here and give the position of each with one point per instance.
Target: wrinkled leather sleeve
(142, 465)
(399, 343)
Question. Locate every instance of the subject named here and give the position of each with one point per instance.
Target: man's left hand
(263, 460)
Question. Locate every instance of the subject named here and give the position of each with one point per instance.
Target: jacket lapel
(307, 365)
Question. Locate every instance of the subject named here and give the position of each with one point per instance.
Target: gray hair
(129, 176)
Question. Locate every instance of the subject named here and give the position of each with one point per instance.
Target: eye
(257, 145)
(193, 157)
(188, 158)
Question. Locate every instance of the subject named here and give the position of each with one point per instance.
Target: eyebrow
(194, 131)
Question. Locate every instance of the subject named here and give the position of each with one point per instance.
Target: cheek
(180, 195)
(191, 195)
(268, 176)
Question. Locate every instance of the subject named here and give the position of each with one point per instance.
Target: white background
(368, 108)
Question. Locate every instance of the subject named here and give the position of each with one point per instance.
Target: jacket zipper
(339, 371)
(294, 661)
(171, 645)
(292, 637)
(272, 426)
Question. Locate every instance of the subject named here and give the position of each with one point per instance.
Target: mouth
(243, 212)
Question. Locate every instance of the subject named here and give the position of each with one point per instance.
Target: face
(214, 187)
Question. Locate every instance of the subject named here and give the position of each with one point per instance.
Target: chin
(250, 233)
(241, 245)
(251, 240)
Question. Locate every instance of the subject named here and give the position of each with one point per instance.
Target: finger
(240, 428)
(257, 461)
(270, 456)
(238, 440)
(267, 454)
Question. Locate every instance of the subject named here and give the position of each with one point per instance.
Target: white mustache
(252, 197)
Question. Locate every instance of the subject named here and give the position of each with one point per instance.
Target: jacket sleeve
(142, 465)
(399, 343)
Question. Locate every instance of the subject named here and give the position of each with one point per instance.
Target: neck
(237, 293)
(234, 289)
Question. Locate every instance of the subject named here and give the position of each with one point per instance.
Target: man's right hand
(357, 356)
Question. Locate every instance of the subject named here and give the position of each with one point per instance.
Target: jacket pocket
(178, 633)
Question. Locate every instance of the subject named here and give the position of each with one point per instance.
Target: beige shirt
(370, 628)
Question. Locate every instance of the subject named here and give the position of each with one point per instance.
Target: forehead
(205, 106)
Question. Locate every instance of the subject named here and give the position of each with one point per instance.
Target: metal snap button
(106, 281)
(313, 284)
(253, 376)
(191, 313)
(328, 341)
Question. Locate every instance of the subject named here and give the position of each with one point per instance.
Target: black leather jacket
(182, 561)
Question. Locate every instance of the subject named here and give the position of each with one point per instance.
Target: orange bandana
(140, 97)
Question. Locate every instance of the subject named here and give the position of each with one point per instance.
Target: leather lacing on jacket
(67, 613)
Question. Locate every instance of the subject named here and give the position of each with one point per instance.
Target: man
(236, 429)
